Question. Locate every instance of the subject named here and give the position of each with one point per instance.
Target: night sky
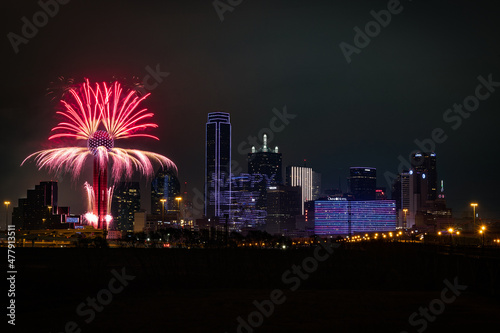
(267, 55)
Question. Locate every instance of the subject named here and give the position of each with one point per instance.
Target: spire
(264, 140)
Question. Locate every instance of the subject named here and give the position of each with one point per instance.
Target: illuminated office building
(264, 163)
(218, 165)
(425, 163)
(126, 202)
(284, 203)
(342, 217)
(303, 177)
(416, 192)
(363, 183)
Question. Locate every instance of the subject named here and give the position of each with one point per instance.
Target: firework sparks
(118, 112)
(86, 111)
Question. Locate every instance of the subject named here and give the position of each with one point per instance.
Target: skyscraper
(283, 204)
(363, 183)
(316, 183)
(416, 194)
(264, 164)
(303, 177)
(37, 210)
(126, 202)
(425, 163)
(401, 191)
(165, 185)
(218, 165)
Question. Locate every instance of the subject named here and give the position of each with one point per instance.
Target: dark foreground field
(370, 288)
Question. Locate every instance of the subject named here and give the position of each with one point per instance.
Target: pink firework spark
(88, 108)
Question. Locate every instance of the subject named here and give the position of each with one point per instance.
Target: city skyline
(147, 188)
(404, 98)
(250, 166)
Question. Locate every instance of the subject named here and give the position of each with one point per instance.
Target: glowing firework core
(100, 138)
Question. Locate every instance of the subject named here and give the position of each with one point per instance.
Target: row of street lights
(451, 231)
(163, 201)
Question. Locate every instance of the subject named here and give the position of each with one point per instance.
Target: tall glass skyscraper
(218, 165)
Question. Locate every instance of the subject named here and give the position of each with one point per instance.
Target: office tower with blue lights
(218, 165)
(363, 183)
(265, 165)
(164, 186)
(244, 210)
(126, 202)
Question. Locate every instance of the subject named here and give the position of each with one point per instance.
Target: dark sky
(265, 55)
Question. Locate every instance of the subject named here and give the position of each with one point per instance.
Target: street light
(450, 230)
(482, 231)
(179, 199)
(474, 205)
(162, 211)
(405, 210)
(6, 203)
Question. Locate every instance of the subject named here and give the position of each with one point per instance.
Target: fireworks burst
(101, 114)
(88, 109)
